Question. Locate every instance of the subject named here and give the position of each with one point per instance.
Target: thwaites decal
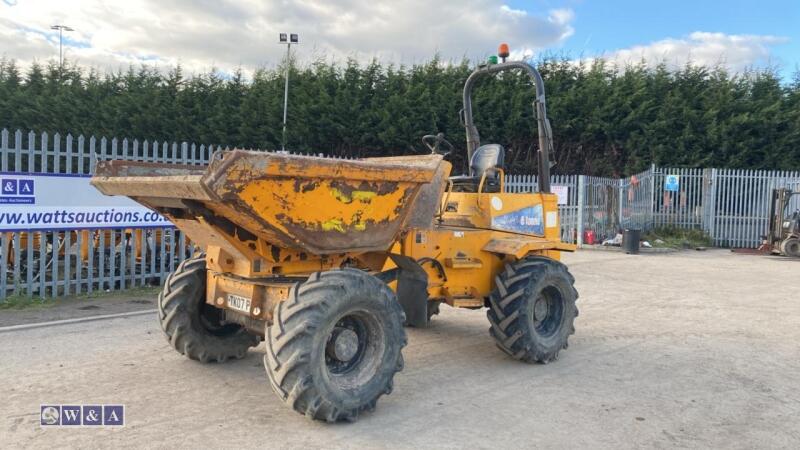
(526, 220)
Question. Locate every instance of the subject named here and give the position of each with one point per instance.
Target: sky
(227, 34)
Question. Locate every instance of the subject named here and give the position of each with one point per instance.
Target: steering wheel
(434, 143)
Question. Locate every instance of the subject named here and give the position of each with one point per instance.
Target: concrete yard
(689, 349)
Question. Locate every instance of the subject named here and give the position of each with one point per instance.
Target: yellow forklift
(783, 235)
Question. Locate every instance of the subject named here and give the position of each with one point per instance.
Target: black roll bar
(539, 110)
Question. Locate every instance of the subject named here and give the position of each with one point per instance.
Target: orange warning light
(502, 51)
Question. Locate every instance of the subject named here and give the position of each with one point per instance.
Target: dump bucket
(315, 204)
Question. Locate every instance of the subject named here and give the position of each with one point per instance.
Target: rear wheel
(193, 327)
(532, 309)
(333, 348)
(791, 247)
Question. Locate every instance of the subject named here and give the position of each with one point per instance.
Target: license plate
(239, 303)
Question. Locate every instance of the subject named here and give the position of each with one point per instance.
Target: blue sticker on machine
(526, 220)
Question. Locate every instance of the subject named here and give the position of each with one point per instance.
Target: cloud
(225, 34)
(736, 52)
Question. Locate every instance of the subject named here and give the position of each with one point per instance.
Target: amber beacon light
(502, 51)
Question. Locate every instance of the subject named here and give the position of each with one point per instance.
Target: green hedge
(605, 121)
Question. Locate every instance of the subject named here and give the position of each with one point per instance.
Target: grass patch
(674, 237)
(19, 302)
(23, 302)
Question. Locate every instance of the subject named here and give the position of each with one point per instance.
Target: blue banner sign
(51, 202)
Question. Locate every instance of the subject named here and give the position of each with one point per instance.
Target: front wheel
(532, 309)
(334, 346)
(193, 327)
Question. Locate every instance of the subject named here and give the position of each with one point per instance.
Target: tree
(607, 120)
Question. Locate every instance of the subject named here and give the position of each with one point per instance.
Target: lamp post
(289, 39)
(61, 29)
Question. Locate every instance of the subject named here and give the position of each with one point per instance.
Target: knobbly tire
(791, 247)
(335, 345)
(191, 326)
(532, 309)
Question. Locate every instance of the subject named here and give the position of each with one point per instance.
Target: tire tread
(288, 354)
(183, 290)
(507, 304)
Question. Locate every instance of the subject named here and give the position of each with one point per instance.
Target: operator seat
(486, 159)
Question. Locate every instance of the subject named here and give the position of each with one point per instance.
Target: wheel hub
(540, 309)
(344, 345)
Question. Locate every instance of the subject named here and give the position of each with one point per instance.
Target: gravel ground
(690, 349)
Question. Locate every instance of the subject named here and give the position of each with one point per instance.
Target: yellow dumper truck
(326, 260)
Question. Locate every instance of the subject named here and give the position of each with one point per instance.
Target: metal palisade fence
(731, 205)
(68, 262)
